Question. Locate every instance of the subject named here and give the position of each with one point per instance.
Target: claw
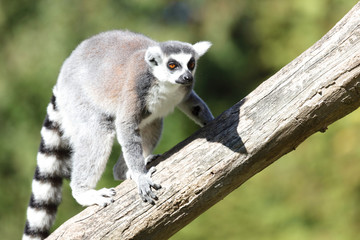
(156, 186)
(153, 196)
(152, 170)
(143, 198)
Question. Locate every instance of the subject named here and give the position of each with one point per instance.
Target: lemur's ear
(201, 47)
(153, 56)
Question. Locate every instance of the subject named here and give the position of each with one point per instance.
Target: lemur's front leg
(129, 137)
(196, 109)
(150, 136)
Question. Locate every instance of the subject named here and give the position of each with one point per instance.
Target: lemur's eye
(172, 65)
(191, 64)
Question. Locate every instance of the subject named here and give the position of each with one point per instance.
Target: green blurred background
(311, 193)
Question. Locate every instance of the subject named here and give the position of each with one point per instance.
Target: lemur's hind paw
(107, 192)
(102, 197)
(151, 158)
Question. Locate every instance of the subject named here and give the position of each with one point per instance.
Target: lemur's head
(174, 61)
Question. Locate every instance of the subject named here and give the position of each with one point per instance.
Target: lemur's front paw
(145, 184)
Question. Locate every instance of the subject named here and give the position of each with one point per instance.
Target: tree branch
(319, 87)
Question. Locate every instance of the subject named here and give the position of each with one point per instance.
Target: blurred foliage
(312, 193)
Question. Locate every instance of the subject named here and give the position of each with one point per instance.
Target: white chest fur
(161, 100)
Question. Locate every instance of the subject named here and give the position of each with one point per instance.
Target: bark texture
(319, 87)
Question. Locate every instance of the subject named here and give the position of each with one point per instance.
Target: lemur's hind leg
(120, 169)
(150, 135)
(89, 163)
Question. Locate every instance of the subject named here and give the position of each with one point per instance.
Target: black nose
(186, 78)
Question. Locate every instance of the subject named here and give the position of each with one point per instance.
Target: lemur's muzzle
(185, 79)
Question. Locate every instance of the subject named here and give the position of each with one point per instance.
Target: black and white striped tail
(52, 166)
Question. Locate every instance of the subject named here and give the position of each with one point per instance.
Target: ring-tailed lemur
(115, 83)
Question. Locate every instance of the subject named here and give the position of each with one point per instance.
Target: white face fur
(175, 67)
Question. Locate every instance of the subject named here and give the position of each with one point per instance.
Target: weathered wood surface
(317, 88)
